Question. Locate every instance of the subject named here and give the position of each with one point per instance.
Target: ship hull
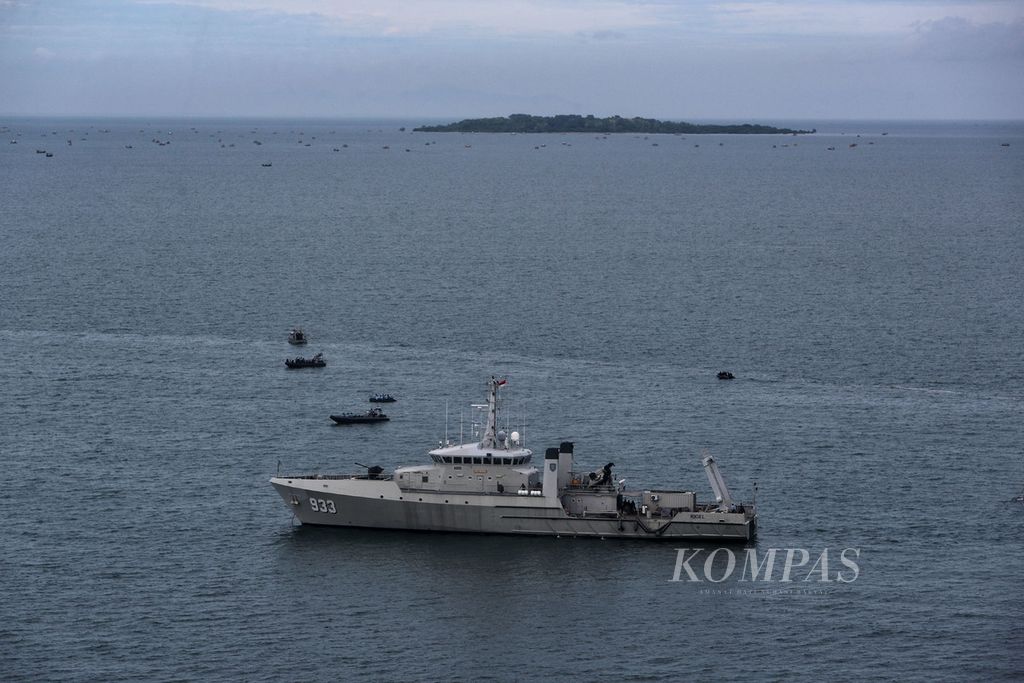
(381, 504)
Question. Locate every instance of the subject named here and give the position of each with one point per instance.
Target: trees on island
(577, 123)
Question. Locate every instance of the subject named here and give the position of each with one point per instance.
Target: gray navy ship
(492, 486)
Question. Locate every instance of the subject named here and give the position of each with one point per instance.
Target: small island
(576, 123)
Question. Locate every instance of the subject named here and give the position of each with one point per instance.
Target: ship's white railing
(378, 477)
(580, 484)
(455, 493)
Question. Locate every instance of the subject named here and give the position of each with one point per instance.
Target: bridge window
(476, 461)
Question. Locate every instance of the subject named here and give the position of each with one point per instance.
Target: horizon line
(461, 117)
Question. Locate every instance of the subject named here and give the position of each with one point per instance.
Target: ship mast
(492, 412)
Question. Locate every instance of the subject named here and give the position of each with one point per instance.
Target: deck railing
(377, 477)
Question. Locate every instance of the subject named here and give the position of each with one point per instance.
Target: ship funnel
(722, 496)
(564, 463)
(551, 473)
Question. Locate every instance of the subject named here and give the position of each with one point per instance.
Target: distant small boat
(316, 361)
(297, 337)
(372, 415)
(382, 398)
(267, 165)
(725, 374)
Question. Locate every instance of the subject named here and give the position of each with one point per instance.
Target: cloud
(854, 17)
(957, 39)
(668, 58)
(612, 17)
(602, 35)
(474, 17)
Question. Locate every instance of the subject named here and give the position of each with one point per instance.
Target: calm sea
(863, 284)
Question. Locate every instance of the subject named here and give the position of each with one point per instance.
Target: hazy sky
(705, 59)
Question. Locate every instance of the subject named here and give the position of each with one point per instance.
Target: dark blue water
(868, 299)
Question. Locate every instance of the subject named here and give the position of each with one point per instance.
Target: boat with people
(382, 398)
(297, 337)
(493, 486)
(372, 415)
(316, 361)
(725, 374)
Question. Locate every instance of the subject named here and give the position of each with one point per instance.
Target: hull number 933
(321, 505)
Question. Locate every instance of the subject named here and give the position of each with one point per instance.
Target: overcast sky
(704, 59)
